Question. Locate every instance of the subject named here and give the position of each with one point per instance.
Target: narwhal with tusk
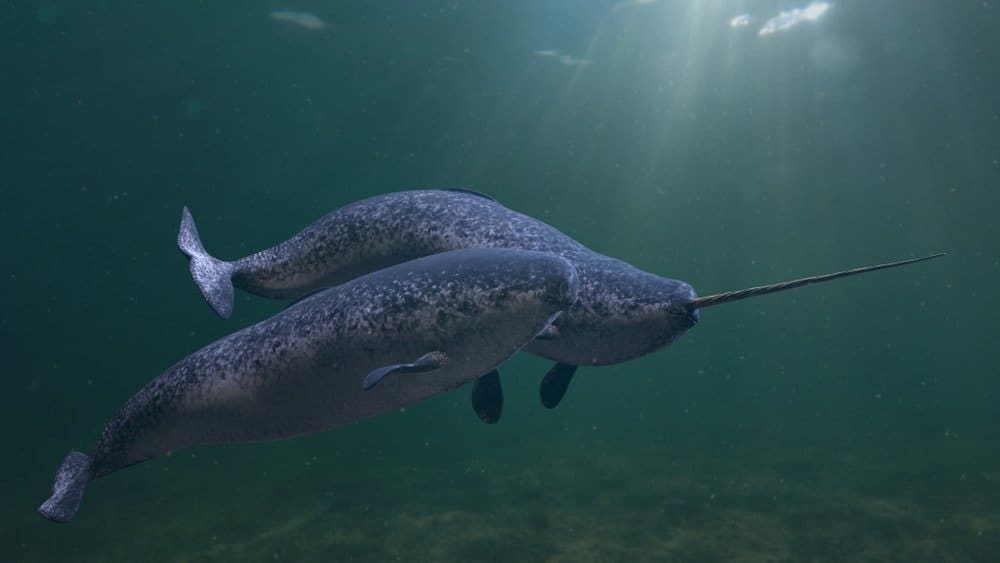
(415, 330)
(623, 312)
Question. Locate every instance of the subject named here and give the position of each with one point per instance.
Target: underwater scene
(511, 326)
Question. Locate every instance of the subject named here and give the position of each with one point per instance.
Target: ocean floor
(586, 499)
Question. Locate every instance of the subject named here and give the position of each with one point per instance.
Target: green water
(851, 421)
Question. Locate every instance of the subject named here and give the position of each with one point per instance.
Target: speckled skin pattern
(301, 370)
(623, 313)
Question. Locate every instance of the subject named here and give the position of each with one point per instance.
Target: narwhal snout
(683, 318)
(694, 316)
(686, 313)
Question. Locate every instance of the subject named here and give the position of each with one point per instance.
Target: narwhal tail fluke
(212, 276)
(67, 489)
(719, 298)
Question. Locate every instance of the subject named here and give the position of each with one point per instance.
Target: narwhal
(415, 330)
(623, 312)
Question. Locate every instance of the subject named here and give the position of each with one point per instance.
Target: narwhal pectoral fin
(555, 383)
(67, 489)
(487, 397)
(428, 362)
(550, 332)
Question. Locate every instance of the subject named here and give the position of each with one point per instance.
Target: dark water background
(852, 421)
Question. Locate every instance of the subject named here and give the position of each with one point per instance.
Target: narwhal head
(657, 322)
(688, 311)
(665, 310)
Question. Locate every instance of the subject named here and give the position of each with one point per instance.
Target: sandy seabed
(598, 502)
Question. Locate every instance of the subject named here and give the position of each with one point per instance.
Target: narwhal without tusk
(377, 343)
(624, 312)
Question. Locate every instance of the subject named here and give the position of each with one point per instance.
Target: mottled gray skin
(301, 371)
(623, 311)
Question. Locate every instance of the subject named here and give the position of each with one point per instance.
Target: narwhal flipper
(213, 277)
(67, 489)
(550, 332)
(555, 383)
(427, 362)
(487, 397)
